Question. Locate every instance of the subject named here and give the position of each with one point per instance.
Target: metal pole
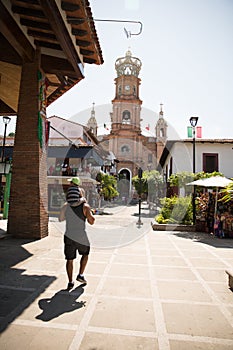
(194, 170)
(139, 202)
(3, 145)
(140, 196)
(2, 158)
(7, 195)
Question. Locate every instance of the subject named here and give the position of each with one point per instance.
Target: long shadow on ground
(17, 290)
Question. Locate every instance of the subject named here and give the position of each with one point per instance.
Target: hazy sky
(186, 51)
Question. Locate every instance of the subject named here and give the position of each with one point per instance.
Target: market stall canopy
(63, 31)
(214, 181)
(68, 151)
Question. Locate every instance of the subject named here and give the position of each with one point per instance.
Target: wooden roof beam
(28, 12)
(67, 6)
(56, 65)
(62, 34)
(15, 36)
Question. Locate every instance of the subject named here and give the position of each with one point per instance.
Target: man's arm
(88, 213)
(62, 216)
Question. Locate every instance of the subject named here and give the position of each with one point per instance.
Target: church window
(125, 149)
(126, 117)
(149, 158)
(162, 132)
(119, 89)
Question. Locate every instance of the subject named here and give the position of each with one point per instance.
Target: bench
(230, 280)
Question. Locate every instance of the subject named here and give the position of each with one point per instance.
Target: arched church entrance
(124, 184)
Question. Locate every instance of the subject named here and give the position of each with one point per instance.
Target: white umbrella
(214, 181)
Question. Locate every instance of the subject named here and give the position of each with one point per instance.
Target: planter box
(173, 227)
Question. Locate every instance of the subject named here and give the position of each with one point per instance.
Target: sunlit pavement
(146, 289)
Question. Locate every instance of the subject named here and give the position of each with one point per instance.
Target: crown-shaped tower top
(128, 65)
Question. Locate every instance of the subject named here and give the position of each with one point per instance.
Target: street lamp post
(140, 195)
(193, 121)
(6, 121)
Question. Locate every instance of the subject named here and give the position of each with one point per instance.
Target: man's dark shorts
(72, 246)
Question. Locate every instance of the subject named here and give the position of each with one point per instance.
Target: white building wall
(182, 156)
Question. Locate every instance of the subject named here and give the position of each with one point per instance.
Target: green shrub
(175, 210)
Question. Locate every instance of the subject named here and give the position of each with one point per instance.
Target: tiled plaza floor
(159, 291)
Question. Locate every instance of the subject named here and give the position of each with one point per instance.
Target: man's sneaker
(81, 279)
(70, 285)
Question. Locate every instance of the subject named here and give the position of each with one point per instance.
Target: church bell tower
(132, 149)
(127, 104)
(125, 139)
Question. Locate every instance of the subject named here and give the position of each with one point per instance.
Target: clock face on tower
(127, 87)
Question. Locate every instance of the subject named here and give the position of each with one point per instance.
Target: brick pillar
(28, 214)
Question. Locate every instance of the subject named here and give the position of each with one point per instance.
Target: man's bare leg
(69, 270)
(83, 263)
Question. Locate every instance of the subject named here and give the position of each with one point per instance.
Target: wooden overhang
(63, 31)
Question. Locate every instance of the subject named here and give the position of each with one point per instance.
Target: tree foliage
(203, 175)
(227, 193)
(180, 179)
(107, 186)
(175, 210)
(140, 186)
(152, 184)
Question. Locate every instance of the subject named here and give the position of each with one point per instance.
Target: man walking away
(75, 238)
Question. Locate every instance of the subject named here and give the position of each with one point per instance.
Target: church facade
(132, 149)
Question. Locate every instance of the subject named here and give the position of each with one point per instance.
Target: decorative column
(28, 214)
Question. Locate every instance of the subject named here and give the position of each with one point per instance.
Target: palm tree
(227, 193)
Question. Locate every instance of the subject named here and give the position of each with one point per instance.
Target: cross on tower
(93, 109)
(161, 109)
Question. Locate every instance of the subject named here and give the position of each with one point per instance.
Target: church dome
(128, 65)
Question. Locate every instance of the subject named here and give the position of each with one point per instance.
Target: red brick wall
(28, 215)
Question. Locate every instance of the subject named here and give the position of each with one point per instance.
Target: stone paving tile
(197, 253)
(95, 268)
(230, 309)
(213, 275)
(111, 313)
(59, 307)
(168, 261)
(96, 256)
(196, 320)
(11, 298)
(164, 252)
(205, 262)
(131, 271)
(125, 287)
(131, 250)
(127, 259)
(40, 264)
(136, 297)
(225, 295)
(100, 341)
(21, 278)
(36, 338)
(224, 253)
(190, 345)
(178, 273)
(183, 290)
(53, 254)
(157, 245)
(229, 262)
